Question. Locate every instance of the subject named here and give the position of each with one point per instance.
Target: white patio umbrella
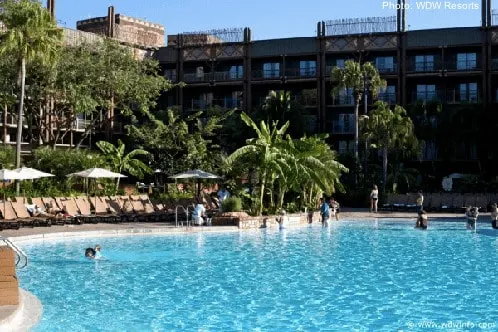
(97, 173)
(27, 173)
(195, 174)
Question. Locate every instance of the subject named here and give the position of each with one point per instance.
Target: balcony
(198, 104)
(269, 74)
(170, 76)
(342, 100)
(458, 96)
(12, 121)
(80, 124)
(389, 98)
(197, 77)
(228, 76)
(463, 65)
(427, 96)
(424, 66)
(389, 69)
(300, 72)
(341, 127)
(307, 101)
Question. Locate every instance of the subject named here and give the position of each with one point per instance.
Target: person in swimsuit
(374, 199)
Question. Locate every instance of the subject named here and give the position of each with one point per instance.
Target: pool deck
(158, 227)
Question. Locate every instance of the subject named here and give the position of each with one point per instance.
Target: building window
(466, 61)
(307, 68)
(236, 72)
(346, 97)
(426, 92)
(424, 63)
(271, 70)
(345, 147)
(385, 64)
(429, 150)
(340, 63)
(388, 94)
(467, 92)
(170, 74)
(344, 124)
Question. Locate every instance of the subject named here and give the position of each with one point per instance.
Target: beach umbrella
(26, 173)
(97, 173)
(195, 174)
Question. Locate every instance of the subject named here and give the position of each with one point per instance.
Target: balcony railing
(450, 96)
(424, 66)
(340, 127)
(228, 76)
(463, 65)
(343, 100)
(80, 124)
(198, 104)
(270, 74)
(197, 77)
(457, 96)
(389, 69)
(300, 72)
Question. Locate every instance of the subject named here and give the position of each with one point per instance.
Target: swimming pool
(365, 275)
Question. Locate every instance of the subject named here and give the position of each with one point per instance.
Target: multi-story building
(456, 67)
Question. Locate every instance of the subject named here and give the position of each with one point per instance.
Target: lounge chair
(446, 202)
(389, 204)
(458, 203)
(105, 212)
(23, 214)
(72, 214)
(9, 220)
(85, 209)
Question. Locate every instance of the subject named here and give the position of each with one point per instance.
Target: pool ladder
(185, 210)
(20, 255)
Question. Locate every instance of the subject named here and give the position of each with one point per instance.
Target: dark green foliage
(232, 204)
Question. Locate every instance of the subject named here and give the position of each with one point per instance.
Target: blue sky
(266, 18)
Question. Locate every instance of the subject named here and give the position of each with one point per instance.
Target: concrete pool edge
(26, 315)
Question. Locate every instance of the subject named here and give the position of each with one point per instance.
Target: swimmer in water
(98, 255)
(90, 253)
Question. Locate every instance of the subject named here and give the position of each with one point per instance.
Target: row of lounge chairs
(440, 202)
(78, 210)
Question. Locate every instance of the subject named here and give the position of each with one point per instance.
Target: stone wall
(248, 222)
(9, 286)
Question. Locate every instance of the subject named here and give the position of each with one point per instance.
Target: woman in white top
(374, 198)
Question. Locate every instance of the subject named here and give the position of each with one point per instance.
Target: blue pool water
(362, 276)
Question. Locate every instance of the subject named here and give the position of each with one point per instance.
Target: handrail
(19, 252)
(176, 214)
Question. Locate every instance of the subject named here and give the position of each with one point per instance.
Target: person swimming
(98, 255)
(90, 253)
(422, 220)
(471, 214)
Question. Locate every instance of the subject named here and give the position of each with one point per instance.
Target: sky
(268, 19)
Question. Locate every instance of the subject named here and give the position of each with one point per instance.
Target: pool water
(357, 275)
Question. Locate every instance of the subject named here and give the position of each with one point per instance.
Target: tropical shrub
(232, 204)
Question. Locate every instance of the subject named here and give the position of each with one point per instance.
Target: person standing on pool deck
(420, 202)
(374, 199)
(324, 212)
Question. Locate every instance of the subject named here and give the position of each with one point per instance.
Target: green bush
(232, 204)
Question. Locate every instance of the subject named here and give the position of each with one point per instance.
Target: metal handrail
(19, 252)
(176, 214)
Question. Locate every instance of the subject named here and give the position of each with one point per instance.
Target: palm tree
(266, 153)
(31, 33)
(276, 104)
(313, 169)
(124, 162)
(357, 78)
(388, 130)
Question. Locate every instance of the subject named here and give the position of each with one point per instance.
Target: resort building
(455, 69)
